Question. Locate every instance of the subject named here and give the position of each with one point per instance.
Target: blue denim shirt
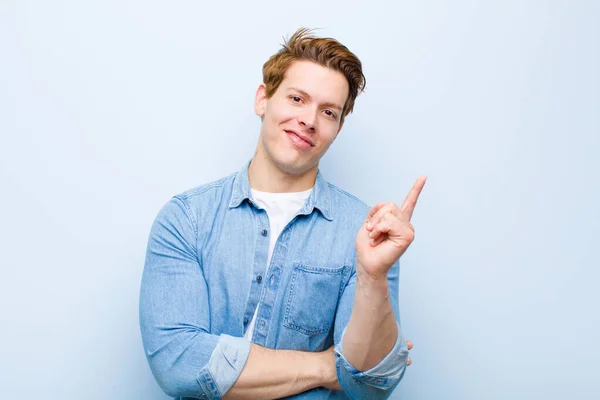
(204, 276)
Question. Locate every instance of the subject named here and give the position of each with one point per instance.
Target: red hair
(327, 52)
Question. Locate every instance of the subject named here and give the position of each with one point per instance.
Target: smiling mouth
(298, 140)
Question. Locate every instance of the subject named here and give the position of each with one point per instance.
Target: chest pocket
(312, 298)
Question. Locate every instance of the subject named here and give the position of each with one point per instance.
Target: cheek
(330, 141)
(282, 112)
(330, 131)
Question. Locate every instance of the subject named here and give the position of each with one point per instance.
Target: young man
(272, 282)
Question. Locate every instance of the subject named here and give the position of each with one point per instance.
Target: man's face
(302, 118)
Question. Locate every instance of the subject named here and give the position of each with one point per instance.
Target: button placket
(256, 288)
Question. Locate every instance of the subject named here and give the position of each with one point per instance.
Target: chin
(293, 165)
(285, 157)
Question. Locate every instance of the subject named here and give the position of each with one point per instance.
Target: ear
(260, 100)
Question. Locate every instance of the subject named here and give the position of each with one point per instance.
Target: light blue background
(109, 108)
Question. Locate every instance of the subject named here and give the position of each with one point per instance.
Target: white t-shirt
(281, 208)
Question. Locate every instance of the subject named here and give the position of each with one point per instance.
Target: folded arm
(186, 359)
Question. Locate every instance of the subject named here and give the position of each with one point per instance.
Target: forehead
(321, 83)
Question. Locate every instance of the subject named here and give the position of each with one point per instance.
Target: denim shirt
(204, 276)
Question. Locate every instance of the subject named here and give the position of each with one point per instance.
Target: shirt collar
(320, 197)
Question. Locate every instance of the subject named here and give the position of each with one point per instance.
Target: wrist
(371, 280)
(327, 370)
(313, 372)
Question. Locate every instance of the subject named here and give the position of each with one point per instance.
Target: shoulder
(347, 205)
(206, 190)
(202, 201)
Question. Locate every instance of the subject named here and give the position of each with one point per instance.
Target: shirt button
(264, 232)
(259, 279)
(272, 280)
(262, 323)
(245, 320)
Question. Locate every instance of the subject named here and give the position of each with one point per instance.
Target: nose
(308, 120)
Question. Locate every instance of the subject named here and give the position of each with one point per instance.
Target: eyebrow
(303, 93)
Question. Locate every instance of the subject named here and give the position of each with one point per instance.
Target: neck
(264, 176)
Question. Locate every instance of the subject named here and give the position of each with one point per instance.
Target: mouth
(299, 140)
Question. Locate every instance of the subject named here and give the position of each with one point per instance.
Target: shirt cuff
(384, 375)
(224, 367)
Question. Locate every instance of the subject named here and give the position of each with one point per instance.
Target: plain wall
(109, 108)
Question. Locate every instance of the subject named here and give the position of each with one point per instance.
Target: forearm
(271, 374)
(372, 330)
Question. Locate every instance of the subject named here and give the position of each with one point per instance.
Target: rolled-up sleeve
(379, 381)
(185, 358)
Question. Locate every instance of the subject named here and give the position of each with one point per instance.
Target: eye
(330, 113)
(296, 99)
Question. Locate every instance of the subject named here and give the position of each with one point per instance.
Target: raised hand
(386, 234)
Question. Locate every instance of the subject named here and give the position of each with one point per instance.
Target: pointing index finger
(408, 206)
